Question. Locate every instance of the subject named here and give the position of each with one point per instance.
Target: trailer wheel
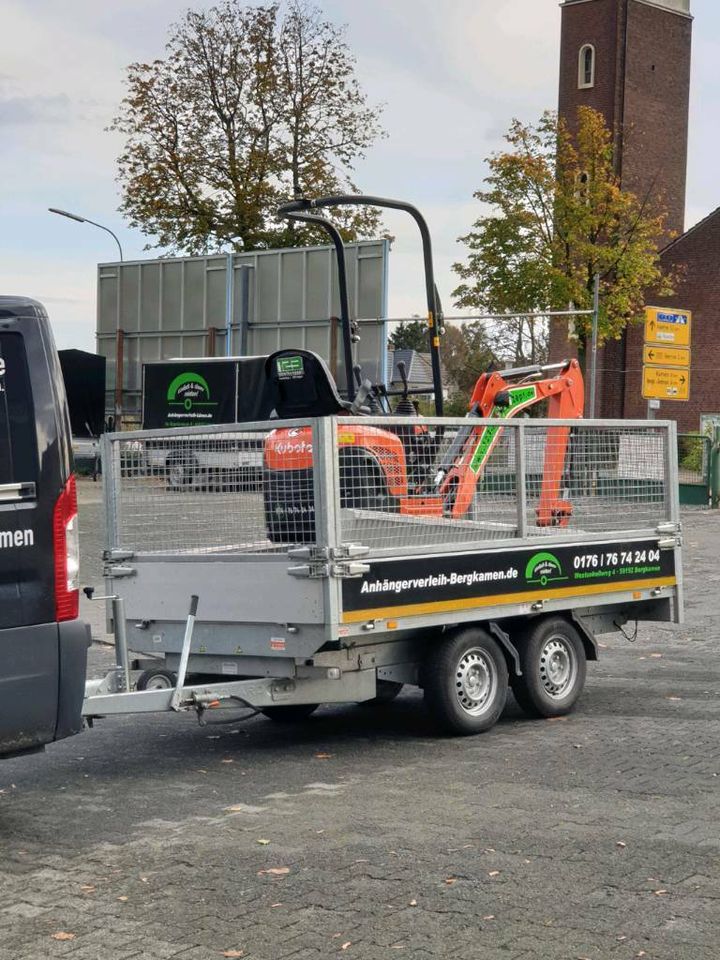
(292, 713)
(553, 663)
(156, 679)
(466, 682)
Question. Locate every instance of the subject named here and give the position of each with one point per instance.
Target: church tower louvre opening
(630, 59)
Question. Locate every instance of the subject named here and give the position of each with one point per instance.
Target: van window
(18, 440)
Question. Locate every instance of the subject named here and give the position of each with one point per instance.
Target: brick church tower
(630, 59)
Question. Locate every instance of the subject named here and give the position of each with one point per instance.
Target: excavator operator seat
(300, 385)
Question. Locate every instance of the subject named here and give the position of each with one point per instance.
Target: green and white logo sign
(189, 390)
(290, 367)
(544, 568)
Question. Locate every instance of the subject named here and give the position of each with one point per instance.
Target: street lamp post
(75, 216)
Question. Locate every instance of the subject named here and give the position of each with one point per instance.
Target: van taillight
(67, 553)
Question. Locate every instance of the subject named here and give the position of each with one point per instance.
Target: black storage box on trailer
(202, 392)
(84, 377)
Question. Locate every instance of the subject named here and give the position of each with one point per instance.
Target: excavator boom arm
(497, 397)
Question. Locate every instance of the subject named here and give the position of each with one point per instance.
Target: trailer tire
(554, 666)
(292, 713)
(466, 682)
(156, 679)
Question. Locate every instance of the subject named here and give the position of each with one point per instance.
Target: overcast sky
(452, 76)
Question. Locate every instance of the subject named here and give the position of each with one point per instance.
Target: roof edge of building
(698, 226)
(669, 6)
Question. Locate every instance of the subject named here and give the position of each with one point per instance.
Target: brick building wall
(642, 85)
(599, 23)
(656, 108)
(697, 255)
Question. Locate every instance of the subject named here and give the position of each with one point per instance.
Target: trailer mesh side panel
(200, 494)
(396, 486)
(520, 479)
(391, 507)
(609, 479)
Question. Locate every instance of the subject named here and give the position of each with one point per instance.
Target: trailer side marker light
(392, 624)
(637, 595)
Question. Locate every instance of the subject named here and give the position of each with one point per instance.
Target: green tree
(411, 335)
(466, 353)
(250, 106)
(559, 215)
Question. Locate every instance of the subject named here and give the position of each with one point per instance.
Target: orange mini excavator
(404, 468)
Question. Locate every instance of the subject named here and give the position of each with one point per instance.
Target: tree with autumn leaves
(252, 105)
(249, 107)
(558, 215)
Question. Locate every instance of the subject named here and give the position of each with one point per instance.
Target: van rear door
(34, 470)
(25, 544)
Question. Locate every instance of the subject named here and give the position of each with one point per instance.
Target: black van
(43, 644)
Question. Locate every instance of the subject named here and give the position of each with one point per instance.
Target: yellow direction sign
(666, 356)
(665, 383)
(667, 326)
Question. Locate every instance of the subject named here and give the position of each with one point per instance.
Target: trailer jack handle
(176, 698)
(121, 648)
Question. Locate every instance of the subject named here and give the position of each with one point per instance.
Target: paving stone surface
(594, 836)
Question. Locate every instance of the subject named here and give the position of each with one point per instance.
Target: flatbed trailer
(324, 592)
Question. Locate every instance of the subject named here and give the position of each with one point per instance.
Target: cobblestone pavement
(360, 833)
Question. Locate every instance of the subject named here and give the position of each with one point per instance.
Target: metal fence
(239, 304)
(693, 458)
(393, 485)
(693, 452)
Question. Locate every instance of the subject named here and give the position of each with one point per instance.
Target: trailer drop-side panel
(451, 583)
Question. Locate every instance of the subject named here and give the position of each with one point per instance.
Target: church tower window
(586, 67)
(582, 187)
